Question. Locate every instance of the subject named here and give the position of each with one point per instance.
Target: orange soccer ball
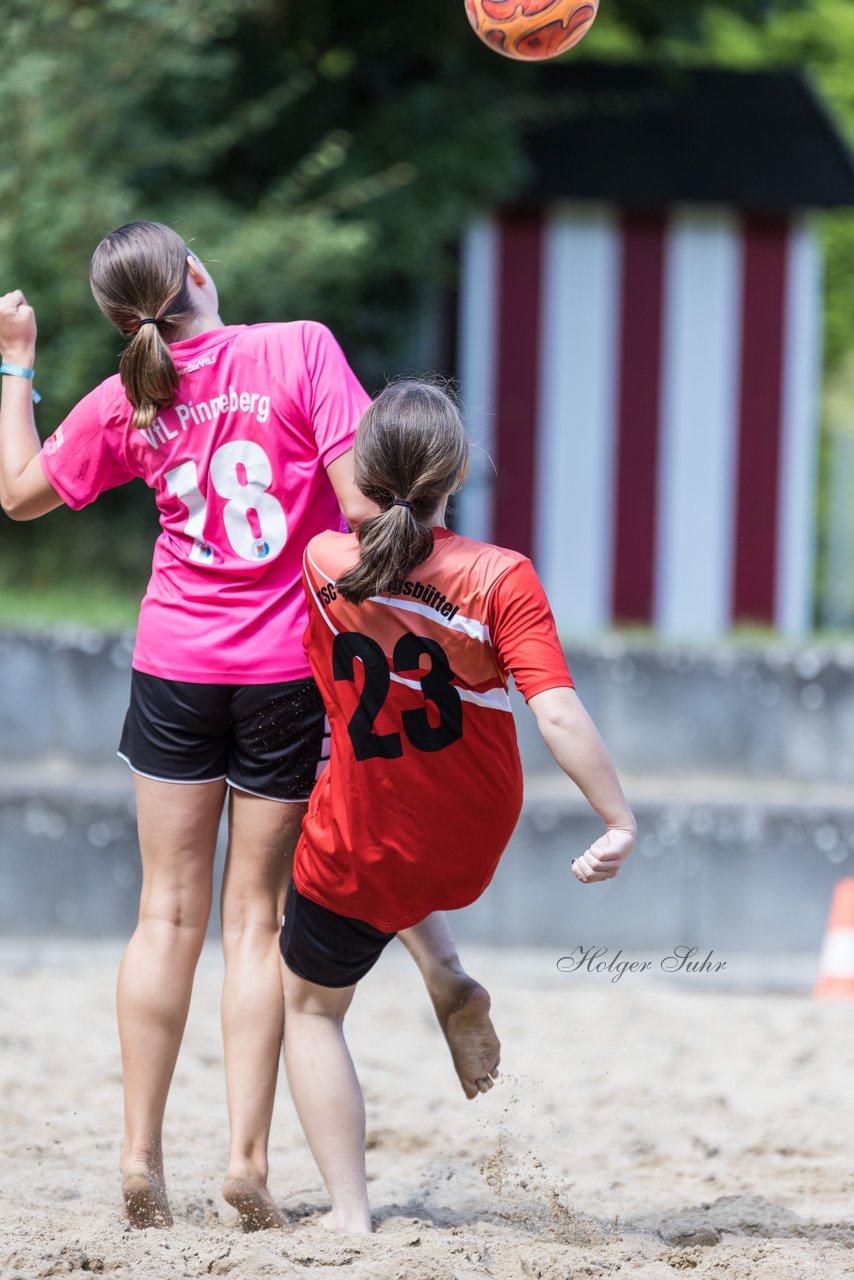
(531, 30)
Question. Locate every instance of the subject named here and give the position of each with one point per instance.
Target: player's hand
(17, 329)
(605, 856)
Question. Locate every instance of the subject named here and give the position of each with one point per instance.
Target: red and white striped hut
(639, 349)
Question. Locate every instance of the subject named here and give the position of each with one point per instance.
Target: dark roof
(645, 137)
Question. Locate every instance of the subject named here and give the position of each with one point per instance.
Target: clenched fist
(17, 329)
(605, 856)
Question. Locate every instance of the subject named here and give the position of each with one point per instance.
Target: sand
(642, 1129)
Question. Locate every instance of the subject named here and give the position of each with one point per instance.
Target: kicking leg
(177, 837)
(327, 1095)
(262, 838)
(461, 1004)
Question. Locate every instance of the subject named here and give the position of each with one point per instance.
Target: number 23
(435, 685)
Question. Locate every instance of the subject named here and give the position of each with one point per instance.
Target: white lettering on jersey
(255, 522)
(189, 414)
(191, 368)
(56, 441)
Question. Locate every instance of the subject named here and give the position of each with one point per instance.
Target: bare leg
(327, 1096)
(177, 838)
(262, 838)
(461, 1004)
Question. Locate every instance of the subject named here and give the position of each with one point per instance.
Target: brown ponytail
(139, 273)
(411, 452)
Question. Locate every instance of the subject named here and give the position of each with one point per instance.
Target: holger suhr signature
(680, 960)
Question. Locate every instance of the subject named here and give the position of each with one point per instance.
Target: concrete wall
(775, 712)
(739, 764)
(63, 694)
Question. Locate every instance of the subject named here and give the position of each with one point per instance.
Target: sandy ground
(643, 1129)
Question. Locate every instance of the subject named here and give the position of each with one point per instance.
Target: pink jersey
(237, 465)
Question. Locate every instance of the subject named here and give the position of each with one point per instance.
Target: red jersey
(424, 784)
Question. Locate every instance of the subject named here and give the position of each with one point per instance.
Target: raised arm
(25, 492)
(573, 740)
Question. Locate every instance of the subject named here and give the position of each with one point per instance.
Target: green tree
(309, 172)
(322, 157)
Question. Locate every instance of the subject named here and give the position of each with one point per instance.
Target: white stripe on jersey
(468, 626)
(496, 699)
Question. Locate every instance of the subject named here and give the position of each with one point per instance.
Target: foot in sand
(462, 1007)
(258, 1211)
(357, 1223)
(145, 1199)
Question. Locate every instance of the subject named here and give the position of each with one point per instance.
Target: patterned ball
(531, 30)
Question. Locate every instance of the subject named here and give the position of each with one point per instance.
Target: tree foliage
(322, 157)
(819, 39)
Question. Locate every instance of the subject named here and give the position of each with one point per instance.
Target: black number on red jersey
(436, 685)
(346, 647)
(437, 688)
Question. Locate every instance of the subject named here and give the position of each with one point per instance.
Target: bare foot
(357, 1223)
(145, 1200)
(258, 1211)
(463, 1012)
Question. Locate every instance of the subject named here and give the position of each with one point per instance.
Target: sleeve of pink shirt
(337, 399)
(78, 459)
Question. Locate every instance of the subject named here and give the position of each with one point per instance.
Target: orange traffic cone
(836, 967)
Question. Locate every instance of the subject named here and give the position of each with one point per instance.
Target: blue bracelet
(18, 371)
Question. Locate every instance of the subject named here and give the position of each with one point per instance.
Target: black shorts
(322, 947)
(267, 739)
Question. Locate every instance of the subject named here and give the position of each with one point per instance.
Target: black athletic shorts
(322, 947)
(266, 739)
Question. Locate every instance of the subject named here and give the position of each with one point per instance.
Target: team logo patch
(260, 549)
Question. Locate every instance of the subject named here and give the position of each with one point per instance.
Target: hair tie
(148, 320)
(401, 502)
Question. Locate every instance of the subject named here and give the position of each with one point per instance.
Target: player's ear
(196, 272)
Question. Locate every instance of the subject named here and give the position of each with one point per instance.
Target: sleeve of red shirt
(78, 459)
(523, 632)
(337, 398)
